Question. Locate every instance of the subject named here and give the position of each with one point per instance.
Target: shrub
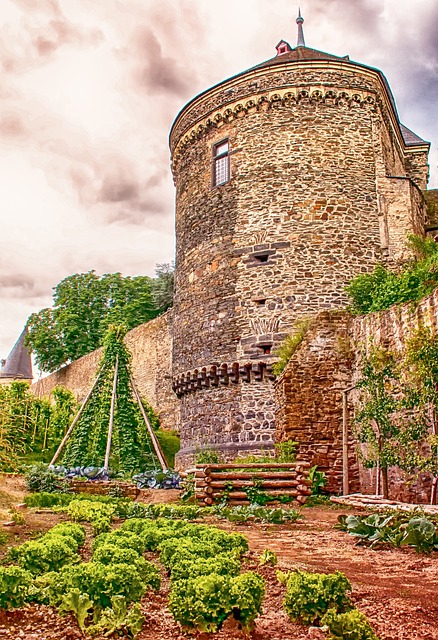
(14, 587)
(382, 288)
(39, 477)
(352, 625)
(170, 445)
(288, 347)
(310, 595)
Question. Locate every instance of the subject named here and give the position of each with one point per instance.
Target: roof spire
(299, 21)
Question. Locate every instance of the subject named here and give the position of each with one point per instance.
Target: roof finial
(300, 20)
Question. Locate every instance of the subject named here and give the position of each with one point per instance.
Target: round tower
(291, 178)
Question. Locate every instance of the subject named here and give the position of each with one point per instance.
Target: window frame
(217, 158)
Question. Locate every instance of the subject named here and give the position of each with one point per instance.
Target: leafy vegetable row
(396, 529)
(322, 598)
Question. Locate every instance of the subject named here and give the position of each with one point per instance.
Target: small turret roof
(411, 139)
(299, 54)
(18, 364)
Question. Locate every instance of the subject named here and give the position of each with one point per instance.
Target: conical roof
(18, 364)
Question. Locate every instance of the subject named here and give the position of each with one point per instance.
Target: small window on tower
(221, 163)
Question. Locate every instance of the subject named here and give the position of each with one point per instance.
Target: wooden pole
(75, 420)
(154, 439)
(345, 469)
(111, 418)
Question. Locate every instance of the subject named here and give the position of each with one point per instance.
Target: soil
(395, 588)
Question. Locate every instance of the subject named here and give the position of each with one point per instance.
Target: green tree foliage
(131, 449)
(382, 288)
(31, 426)
(395, 415)
(162, 286)
(84, 305)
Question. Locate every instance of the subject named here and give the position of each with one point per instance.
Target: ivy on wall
(382, 288)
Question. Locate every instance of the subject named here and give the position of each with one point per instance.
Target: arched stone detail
(283, 97)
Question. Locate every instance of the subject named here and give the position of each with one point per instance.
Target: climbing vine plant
(396, 409)
(131, 449)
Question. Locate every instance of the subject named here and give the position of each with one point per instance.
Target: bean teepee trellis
(112, 427)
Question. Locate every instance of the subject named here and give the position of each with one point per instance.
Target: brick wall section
(150, 346)
(309, 397)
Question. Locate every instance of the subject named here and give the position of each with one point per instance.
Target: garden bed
(395, 588)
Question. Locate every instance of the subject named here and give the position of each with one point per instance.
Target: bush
(170, 445)
(310, 595)
(14, 587)
(352, 625)
(39, 477)
(288, 347)
(382, 288)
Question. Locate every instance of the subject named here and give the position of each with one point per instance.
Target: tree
(84, 305)
(163, 285)
(389, 415)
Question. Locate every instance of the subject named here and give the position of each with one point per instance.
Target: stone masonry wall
(309, 397)
(300, 216)
(150, 346)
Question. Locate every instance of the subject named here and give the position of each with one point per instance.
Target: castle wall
(150, 347)
(310, 150)
(309, 397)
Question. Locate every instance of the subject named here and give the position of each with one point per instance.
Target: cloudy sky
(89, 90)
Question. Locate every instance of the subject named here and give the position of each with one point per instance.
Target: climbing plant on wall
(395, 414)
(131, 449)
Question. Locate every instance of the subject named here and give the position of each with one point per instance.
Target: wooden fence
(214, 482)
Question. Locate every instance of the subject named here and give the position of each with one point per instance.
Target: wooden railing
(216, 482)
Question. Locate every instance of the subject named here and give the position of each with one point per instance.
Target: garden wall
(309, 397)
(150, 346)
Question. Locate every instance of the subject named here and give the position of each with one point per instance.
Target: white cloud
(88, 93)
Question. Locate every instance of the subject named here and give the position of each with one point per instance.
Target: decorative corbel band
(221, 375)
(287, 96)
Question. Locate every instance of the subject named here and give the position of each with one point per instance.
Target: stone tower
(291, 178)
